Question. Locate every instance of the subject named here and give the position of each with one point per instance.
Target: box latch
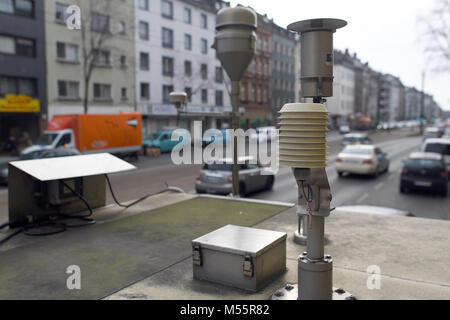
(248, 267)
(197, 256)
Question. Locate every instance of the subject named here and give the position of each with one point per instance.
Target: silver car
(217, 178)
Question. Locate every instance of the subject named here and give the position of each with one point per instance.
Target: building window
(219, 75)
(14, 85)
(204, 95)
(102, 58)
(204, 21)
(219, 98)
(122, 27)
(100, 22)
(123, 61)
(60, 12)
(145, 91)
(68, 89)
(187, 42)
(258, 94)
(204, 46)
(243, 92)
(143, 4)
(204, 71)
(252, 92)
(187, 15)
(144, 32)
(167, 38)
(188, 91)
(167, 63)
(18, 46)
(67, 52)
(187, 68)
(102, 91)
(167, 9)
(124, 93)
(23, 8)
(144, 61)
(166, 91)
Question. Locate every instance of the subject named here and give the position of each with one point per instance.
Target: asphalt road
(154, 174)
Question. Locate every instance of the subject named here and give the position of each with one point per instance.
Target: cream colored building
(111, 88)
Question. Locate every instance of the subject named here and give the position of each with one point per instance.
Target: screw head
(340, 291)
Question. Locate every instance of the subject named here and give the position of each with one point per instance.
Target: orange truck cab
(119, 134)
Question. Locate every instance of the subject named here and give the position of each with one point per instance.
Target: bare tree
(96, 31)
(436, 35)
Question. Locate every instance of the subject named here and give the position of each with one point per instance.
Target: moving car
(441, 146)
(37, 154)
(362, 159)
(217, 178)
(424, 170)
(432, 132)
(161, 140)
(344, 129)
(356, 138)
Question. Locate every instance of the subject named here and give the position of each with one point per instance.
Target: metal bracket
(248, 267)
(197, 256)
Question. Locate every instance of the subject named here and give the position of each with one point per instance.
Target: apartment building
(284, 46)
(23, 101)
(90, 70)
(173, 53)
(256, 82)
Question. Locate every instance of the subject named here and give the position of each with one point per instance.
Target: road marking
(379, 186)
(362, 198)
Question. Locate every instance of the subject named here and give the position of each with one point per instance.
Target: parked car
(356, 138)
(162, 140)
(432, 132)
(424, 170)
(37, 154)
(344, 129)
(218, 178)
(362, 159)
(441, 146)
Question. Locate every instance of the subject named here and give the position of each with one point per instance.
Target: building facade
(92, 69)
(173, 53)
(23, 101)
(283, 82)
(256, 83)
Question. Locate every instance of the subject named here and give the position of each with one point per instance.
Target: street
(154, 174)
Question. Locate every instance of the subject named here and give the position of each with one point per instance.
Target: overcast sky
(384, 33)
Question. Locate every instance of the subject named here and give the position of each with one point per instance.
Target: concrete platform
(413, 256)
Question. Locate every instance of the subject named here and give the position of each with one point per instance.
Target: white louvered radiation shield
(303, 135)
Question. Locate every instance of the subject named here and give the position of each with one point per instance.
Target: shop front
(20, 121)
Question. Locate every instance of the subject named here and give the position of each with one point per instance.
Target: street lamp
(303, 132)
(179, 99)
(235, 47)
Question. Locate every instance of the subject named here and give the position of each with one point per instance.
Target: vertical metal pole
(235, 88)
(316, 236)
(422, 103)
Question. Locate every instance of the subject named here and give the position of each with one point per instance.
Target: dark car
(41, 154)
(424, 170)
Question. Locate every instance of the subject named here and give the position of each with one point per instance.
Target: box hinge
(197, 256)
(248, 267)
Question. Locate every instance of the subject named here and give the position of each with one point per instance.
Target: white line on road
(362, 198)
(379, 186)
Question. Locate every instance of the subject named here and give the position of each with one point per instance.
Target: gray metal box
(245, 258)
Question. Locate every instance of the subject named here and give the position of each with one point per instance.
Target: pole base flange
(300, 239)
(290, 292)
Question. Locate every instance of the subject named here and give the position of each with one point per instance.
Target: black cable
(4, 225)
(140, 199)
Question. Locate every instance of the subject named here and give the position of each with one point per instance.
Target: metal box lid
(240, 240)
